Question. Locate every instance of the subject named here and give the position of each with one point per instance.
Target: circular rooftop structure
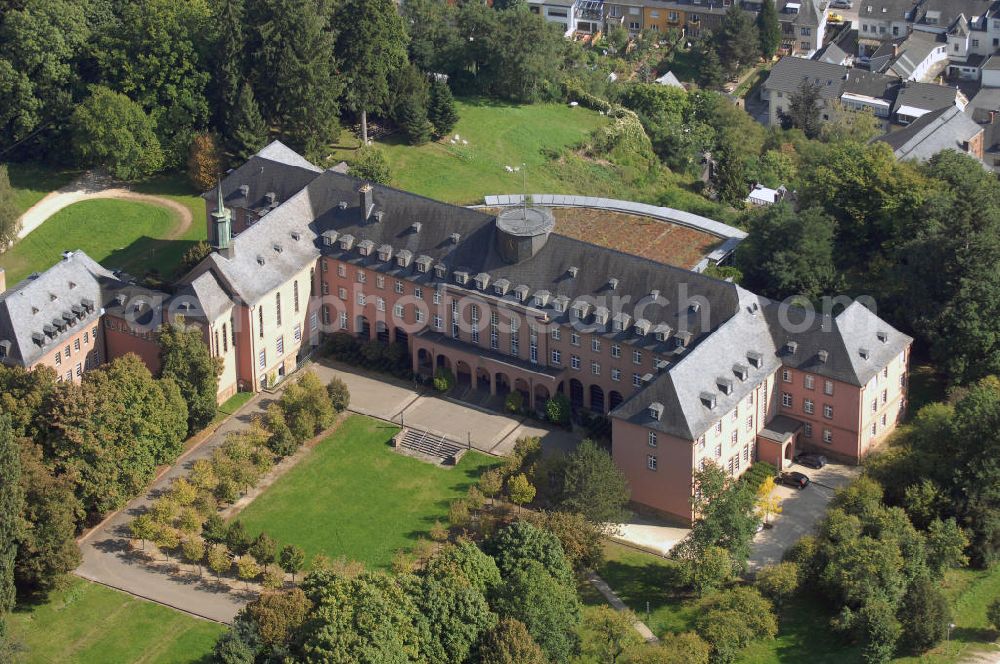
(522, 232)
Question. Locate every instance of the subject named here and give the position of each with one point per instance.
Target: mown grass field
(498, 135)
(89, 624)
(116, 233)
(353, 496)
(31, 182)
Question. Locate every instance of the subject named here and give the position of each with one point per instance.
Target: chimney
(3, 280)
(367, 205)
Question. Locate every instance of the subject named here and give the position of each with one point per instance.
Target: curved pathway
(91, 186)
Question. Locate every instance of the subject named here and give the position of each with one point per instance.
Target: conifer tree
(9, 213)
(11, 506)
(230, 63)
(248, 132)
(441, 110)
(769, 29)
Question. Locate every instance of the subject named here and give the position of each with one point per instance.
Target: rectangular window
(718, 451)
(616, 374)
(750, 423)
(808, 406)
(885, 396)
(260, 321)
(418, 314)
(438, 322)
(595, 368)
(76, 345)
(515, 348)
(341, 292)
(362, 300)
(827, 436)
(651, 461)
(295, 295)
(342, 320)
(574, 361)
(397, 310)
(436, 297)
(556, 357)
(277, 308)
(297, 332)
(326, 314)
(475, 335)
(809, 381)
(362, 278)
(341, 270)
(652, 438)
(555, 334)
(718, 427)
(595, 345)
(786, 375)
(313, 322)
(808, 430)
(533, 353)
(399, 286)
(874, 404)
(733, 437)
(380, 304)
(827, 411)
(380, 281)
(86, 337)
(636, 357)
(746, 454)
(418, 293)
(95, 335)
(325, 289)
(786, 399)
(828, 387)
(66, 352)
(636, 380)
(58, 359)
(574, 338)
(616, 350)
(262, 358)
(874, 428)
(279, 345)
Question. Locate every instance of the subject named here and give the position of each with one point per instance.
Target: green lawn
(88, 623)
(498, 135)
(354, 496)
(235, 402)
(116, 233)
(32, 182)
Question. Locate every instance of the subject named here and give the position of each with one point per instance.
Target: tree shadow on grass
(154, 259)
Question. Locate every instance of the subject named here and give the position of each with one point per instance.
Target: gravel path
(90, 186)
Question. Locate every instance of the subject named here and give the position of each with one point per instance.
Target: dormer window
(622, 321)
(725, 385)
(385, 252)
(296, 236)
(707, 400)
(612, 283)
(440, 270)
(72, 285)
(403, 257)
(455, 238)
(346, 242)
(580, 309)
(883, 336)
(822, 356)
(482, 280)
(461, 277)
(521, 293)
(501, 286)
(755, 359)
(694, 307)
(654, 294)
(791, 347)
(424, 263)
(342, 205)
(416, 226)
(642, 327)
(5, 347)
(662, 331)
(865, 353)
(330, 238)
(277, 248)
(601, 315)
(260, 260)
(572, 271)
(541, 298)
(682, 339)
(656, 410)
(560, 303)
(378, 216)
(365, 247)
(741, 371)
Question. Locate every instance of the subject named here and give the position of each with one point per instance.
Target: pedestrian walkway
(616, 603)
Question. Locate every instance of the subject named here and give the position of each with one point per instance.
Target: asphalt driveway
(801, 510)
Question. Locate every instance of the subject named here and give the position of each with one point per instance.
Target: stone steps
(432, 445)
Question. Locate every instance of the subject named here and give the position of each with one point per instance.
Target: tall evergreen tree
(248, 131)
(370, 50)
(293, 72)
(803, 109)
(11, 505)
(710, 73)
(739, 43)
(769, 29)
(730, 178)
(230, 67)
(441, 109)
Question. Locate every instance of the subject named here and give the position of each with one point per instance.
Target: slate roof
(870, 84)
(925, 96)
(276, 169)
(205, 295)
(682, 387)
(791, 72)
(951, 11)
(885, 10)
(71, 292)
(944, 129)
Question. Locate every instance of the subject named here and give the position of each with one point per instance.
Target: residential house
(761, 196)
(944, 129)
(882, 20)
(560, 12)
(984, 110)
(626, 13)
(919, 56)
(788, 76)
(917, 99)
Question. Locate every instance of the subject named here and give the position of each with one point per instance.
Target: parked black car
(794, 479)
(810, 460)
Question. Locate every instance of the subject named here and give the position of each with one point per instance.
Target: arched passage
(463, 373)
(424, 364)
(382, 331)
(443, 362)
(482, 379)
(597, 399)
(502, 384)
(614, 399)
(575, 393)
(541, 396)
(521, 385)
(363, 327)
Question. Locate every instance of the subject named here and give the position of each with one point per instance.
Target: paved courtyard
(801, 511)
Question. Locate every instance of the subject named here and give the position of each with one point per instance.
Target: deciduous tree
(11, 506)
(510, 643)
(113, 132)
(204, 164)
(592, 485)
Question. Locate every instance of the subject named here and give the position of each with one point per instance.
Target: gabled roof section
(279, 152)
(276, 169)
(944, 129)
(52, 306)
(791, 72)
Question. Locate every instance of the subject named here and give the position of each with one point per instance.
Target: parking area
(801, 510)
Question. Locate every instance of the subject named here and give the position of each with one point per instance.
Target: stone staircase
(431, 446)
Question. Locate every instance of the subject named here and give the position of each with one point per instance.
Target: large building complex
(689, 369)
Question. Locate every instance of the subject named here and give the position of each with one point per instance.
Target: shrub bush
(444, 380)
